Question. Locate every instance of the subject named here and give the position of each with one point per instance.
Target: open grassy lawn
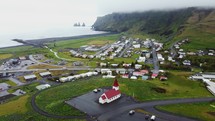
(19, 109)
(59, 72)
(76, 43)
(203, 111)
(29, 88)
(16, 106)
(43, 66)
(23, 50)
(67, 55)
(5, 56)
(8, 82)
(177, 86)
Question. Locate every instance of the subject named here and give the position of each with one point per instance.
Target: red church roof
(115, 84)
(111, 93)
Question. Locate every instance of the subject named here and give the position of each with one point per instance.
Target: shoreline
(55, 39)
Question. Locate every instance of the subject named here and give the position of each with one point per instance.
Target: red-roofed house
(111, 94)
(154, 75)
(137, 74)
(144, 71)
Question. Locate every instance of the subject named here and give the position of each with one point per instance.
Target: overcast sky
(40, 13)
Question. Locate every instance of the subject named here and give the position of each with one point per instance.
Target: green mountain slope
(200, 29)
(194, 23)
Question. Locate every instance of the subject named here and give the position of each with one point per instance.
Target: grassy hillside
(200, 29)
(194, 23)
(163, 23)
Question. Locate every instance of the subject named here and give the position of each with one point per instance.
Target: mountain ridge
(172, 24)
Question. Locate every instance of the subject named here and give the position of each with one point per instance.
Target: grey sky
(41, 13)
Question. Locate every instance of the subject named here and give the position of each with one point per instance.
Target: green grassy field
(29, 88)
(76, 43)
(19, 108)
(8, 82)
(16, 106)
(177, 86)
(23, 50)
(43, 66)
(201, 111)
(5, 56)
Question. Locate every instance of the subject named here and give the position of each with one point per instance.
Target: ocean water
(28, 34)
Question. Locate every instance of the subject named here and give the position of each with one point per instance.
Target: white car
(131, 112)
(95, 90)
(153, 117)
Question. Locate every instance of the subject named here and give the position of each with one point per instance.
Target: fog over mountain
(40, 13)
(109, 6)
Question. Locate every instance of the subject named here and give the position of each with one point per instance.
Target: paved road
(149, 105)
(155, 59)
(103, 49)
(127, 46)
(172, 49)
(58, 69)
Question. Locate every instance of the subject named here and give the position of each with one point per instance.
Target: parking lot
(89, 104)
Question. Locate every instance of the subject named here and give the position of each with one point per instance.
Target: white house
(210, 54)
(169, 58)
(30, 77)
(111, 94)
(133, 77)
(114, 65)
(160, 57)
(211, 86)
(200, 76)
(138, 66)
(45, 74)
(103, 64)
(186, 62)
(147, 55)
(120, 71)
(104, 71)
(126, 65)
(43, 86)
(136, 46)
(141, 59)
(108, 76)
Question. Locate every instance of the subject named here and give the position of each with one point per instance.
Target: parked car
(131, 112)
(153, 118)
(147, 117)
(95, 90)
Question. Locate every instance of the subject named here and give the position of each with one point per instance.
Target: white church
(111, 94)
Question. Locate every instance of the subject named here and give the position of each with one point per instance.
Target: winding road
(148, 106)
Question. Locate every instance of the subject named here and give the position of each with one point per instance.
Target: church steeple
(115, 85)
